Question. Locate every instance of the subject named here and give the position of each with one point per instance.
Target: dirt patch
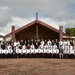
(37, 66)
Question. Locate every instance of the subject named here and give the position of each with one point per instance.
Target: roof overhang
(38, 22)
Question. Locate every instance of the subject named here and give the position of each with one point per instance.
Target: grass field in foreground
(37, 66)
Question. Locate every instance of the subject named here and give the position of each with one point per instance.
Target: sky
(22, 12)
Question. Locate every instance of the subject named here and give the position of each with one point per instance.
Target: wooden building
(36, 30)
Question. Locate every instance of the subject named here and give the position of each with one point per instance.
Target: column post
(13, 33)
(36, 15)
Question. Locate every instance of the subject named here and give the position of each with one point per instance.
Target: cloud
(21, 21)
(50, 22)
(17, 22)
(70, 23)
(20, 12)
(4, 8)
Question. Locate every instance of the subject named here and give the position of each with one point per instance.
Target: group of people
(37, 48)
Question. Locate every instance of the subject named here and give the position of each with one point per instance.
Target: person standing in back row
(61, 52)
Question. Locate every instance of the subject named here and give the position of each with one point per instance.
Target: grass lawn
(37, 66)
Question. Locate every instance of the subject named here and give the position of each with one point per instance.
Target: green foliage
(70, 31)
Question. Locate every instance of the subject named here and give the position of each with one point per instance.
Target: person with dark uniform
(3, 47)
(32, 50)
(31, 41)
(12, 46)
(21, 44)
(36, 47)
(52, 42)
(61, 52)
(45, 42)
(28, 42)
(0, 51)
(57, 43)
(38, 41)
(71, 43)
(25, 42)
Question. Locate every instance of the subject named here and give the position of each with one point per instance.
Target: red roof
(33, 22)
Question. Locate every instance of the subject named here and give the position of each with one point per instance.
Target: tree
(70, 31)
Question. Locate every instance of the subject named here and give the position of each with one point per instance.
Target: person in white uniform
(32, 50)
(17, 51)
(0, 51)
(6, 53)
(24, 48)
(28, 50)
(68, 42)
(60, 43)
(49, 42)
(54, 50)
(42, 42)
(36, 53)
(15, 44)
(61, 51)
(40, 49)
(20, 52)
(66, 51)
(50, 50)
(10, 51)
(45, 50)
(71, 52)
(57, 52)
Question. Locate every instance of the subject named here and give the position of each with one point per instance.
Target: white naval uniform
(36, 51)
(20, 51)
(28, 51)
(15, 44)
(49, 48)
(66, 49)
(57, 51)
(64, 43)
(6, 51)
(68, 42)
(10, 51)
(49, 42)
(42, 43)
(71, 50)
(40, 50)
(60, 43)
(46, 49)
(3, 51)
(54, 49)
(24, 49)
(17, 50)
(41, 46)
(32, 49)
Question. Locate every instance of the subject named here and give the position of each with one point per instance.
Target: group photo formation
(40, 48)
(37, 37)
